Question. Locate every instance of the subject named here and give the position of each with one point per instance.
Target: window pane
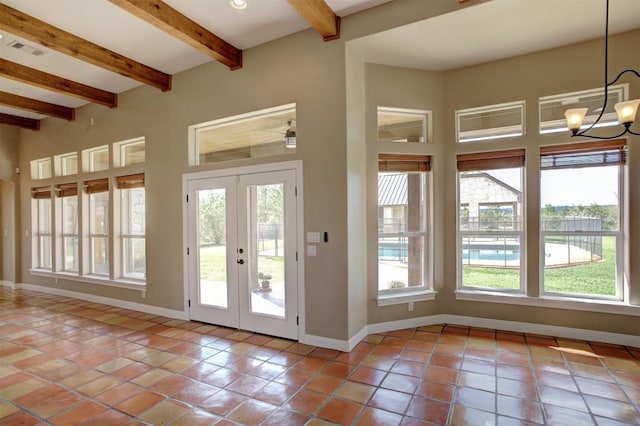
(99, 255)
(552, 108)
(212, 245)
(490, 122)
(402, 220)
(584, 199)
(44, 207)
(70, 215)
(99, 210)
(580, 264)
(45, 252)
(580, 222)
(70, 253)
(133, 211)
(99, 230)
(69, 165)
(96, 159)
(132, 153)
(490, 221)
(134, 258)
(401, 126)
(260, 134)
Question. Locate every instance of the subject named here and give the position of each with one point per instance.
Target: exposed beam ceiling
(169, 20)
(37, 106)
(320, 16)
(54, 38)
(48, 81)
(25, 123)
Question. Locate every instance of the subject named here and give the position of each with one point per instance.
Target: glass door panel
(212, 247)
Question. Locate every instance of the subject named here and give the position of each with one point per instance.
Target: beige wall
(9, 138)
(336, 97)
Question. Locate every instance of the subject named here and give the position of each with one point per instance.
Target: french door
(242, 251)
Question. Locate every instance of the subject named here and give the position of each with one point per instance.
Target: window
(401, 125)
(132, 225)
(402, 222)
(490, 206)
(69, 236)
(98, 194)
(552, 108)
(95, 159)
(66, 164)
(41, 169)
(580, 192)
(129, 152)
(41, 227)
(262, 133)
(490, 122)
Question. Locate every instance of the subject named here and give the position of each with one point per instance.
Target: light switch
(311, 250)
(313, 237)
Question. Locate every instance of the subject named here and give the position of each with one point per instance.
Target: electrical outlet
(410, 306)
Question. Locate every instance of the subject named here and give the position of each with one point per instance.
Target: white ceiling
(475, 34)
(495, 30)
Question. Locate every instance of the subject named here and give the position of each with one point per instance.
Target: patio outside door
(242, 252)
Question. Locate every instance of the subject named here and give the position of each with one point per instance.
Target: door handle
(241, 261)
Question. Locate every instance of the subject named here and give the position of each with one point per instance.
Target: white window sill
(405, 297)
(93, 279)
(556, 302)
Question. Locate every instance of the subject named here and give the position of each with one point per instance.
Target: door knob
(241, 251)
(241, 261)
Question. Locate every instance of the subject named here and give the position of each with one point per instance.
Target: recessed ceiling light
(238, 4)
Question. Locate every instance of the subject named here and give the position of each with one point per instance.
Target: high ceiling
(479, 33)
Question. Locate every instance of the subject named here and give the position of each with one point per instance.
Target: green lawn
(213, 265)
(597, 278)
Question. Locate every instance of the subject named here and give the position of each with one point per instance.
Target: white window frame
(621, 293)
(569, 100)
(494, 132)
(119, 151)
(88, 158)
(38, 168)
(93, 236)
(410, 294)
(194, 130)
(63, 235)
(425, 116)
(61, 166)
(124, 260)
(40, 234)
(498, 234)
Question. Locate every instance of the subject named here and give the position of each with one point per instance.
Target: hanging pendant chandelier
(626, 111)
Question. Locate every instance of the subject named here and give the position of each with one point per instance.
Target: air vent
(26, 48)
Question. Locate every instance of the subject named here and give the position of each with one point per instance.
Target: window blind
(491, 160)
(96, 185)
(41, 192)
(404, 163)
(583, 154)
(67, 189)
(130, 181)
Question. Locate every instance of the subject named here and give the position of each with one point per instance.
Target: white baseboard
(347, 345)
(148, 309)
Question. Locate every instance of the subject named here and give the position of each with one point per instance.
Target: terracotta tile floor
(65, 361)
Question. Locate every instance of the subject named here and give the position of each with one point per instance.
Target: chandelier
(626, 111)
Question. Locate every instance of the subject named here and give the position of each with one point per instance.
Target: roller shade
(41, 192)
(96, 185)
(491, 160)
(130, 181)
(583, 154)
(404, 163)
(67, 189)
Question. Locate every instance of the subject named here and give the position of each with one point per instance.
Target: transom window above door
(256, 134)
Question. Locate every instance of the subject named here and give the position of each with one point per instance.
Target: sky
(570, 187)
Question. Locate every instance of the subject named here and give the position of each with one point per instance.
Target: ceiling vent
(26, 48)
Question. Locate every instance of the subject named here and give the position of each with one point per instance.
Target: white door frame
(271, 167)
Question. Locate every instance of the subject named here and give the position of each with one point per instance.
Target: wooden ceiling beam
(320, 16)
(169, 20)
(14, 120)
(33, 29)
(56, 84)
(34, 105)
